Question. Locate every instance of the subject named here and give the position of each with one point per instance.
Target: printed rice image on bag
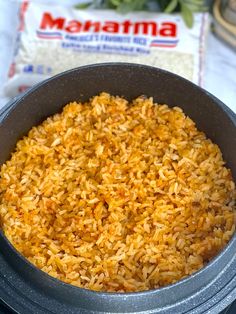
(55, 38)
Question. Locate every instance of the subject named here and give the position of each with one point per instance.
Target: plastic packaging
(54, 38)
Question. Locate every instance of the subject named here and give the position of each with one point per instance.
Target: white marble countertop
(220, 67)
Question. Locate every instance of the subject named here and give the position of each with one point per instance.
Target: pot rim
(114, 295)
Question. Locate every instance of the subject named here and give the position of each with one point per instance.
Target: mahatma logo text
(151, 28)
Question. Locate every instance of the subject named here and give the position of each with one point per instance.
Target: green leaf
(187, 14)
(162, 4)
(116, 3)
(82, 5)
(131, 5)
(125, 7)
(171, 6)
(195, 5)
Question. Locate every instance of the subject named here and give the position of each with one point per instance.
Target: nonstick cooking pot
(27, 289)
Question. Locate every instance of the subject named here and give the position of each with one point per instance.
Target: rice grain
(117, 196)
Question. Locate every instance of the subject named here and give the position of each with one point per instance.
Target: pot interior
(130, 81)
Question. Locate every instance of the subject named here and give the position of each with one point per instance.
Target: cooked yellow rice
(117, 196)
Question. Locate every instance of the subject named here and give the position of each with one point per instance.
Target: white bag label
(57, 38)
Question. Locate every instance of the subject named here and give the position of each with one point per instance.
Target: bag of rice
(54, 38)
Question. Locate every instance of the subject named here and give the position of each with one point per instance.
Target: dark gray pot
(29, 290)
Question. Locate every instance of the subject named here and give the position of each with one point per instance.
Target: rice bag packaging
(55, 38)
